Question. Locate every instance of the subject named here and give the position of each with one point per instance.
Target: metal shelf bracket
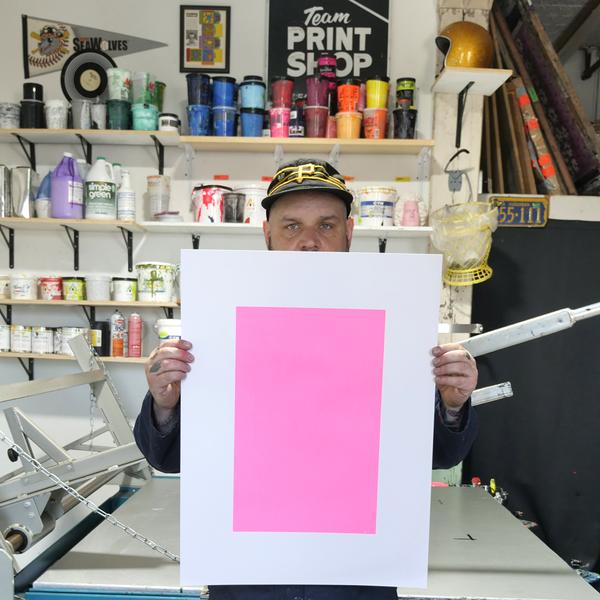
(160, 154)
(168, 312)
(73, 236)
(7, 317)
(29, 368)
(195, 241)
(10, 242)
(29, 152)
(462, 99)
(128, 239)
(382, 245)
(87, 149)
(90, 314)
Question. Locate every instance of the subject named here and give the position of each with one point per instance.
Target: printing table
(478, 550)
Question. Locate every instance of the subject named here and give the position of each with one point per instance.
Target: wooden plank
(504, 34)
(580, 18)
(452, 80)
(497, 151)
(515, 179)
(522, 149)
(487, 146)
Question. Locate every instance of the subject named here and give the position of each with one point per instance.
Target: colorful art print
(204, 34)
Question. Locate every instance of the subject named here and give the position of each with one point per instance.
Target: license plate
(522, 212)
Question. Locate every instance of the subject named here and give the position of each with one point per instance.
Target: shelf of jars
(107, 359)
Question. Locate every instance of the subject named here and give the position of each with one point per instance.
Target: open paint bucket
(254, 213)
(207, 203)
(376, 206)
(168, 329)
(156, 281)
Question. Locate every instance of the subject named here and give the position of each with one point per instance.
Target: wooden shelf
(113, 359)
(93, 136)
(79, 224)
(116, 303)
(245, 229)
(452, 80)
(304, 145)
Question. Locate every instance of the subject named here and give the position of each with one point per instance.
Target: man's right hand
(166, 366)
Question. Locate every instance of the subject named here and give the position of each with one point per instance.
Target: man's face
(308, 221)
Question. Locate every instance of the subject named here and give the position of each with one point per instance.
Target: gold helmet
(466, 44)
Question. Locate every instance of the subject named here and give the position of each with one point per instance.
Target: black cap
(307, 175)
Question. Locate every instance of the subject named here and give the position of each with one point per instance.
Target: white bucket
(97, 287)
(254, 213)
(20, 338)
(4, 286)
(4, 338)
(23, 287)
(156, 281)
(124, 289)
(42, 340)
(376, 206)
(168, 329)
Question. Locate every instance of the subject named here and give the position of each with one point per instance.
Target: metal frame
(30, 503)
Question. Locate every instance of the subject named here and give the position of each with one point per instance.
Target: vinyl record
(83, 76)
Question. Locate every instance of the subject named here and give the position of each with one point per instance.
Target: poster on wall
(204, 33)
(48, 44)
(356, 32)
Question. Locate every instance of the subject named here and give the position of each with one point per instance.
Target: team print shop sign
(323, 31)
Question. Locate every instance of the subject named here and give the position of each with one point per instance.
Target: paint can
(223, 91)
(159, 194)
(252, 121)
(405, 120)
(168, 329)
(377, 90)
(156, 281)
(20, 338)
(199, 121)
(100, 337)
(24, 183)
(124, 289)
(168, 122)
(32, 114)
(405, 92)
(198, 88)
(233, 203)
(281, 91)
(254, 213)
(81, 111)
(144, 117)
(118, 114)
(157, 96)
(376, 206)
(280, 121)
(74, 289)
(98, 287)
(348, 92)
(98, 115)
(4, 338)
(134, 336)
(42, 340)
(57, 113)
(207, 203)
(23, 287)
(223, 120)
(252, 92)
(119, 84)
(348, 124)
(64, 334)
(142, 87)
(51, 288)
(316, 121)
(10, 115)
(375, 123)
(317, 88)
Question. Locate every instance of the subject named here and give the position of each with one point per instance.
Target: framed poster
(355, 32)
(204, 34)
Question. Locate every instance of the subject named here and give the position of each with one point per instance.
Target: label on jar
(75, 192)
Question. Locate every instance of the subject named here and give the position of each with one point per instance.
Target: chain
(93, 507)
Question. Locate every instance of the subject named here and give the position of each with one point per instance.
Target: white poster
(307, 418)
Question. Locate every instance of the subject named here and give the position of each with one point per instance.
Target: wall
(413, 25)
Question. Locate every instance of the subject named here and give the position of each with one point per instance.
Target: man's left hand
(455, 373)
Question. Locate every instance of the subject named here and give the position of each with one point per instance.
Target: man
(308, 208)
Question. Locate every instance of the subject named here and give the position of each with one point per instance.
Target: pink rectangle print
(308, 386)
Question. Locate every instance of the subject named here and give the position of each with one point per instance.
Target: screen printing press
(478, 550)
